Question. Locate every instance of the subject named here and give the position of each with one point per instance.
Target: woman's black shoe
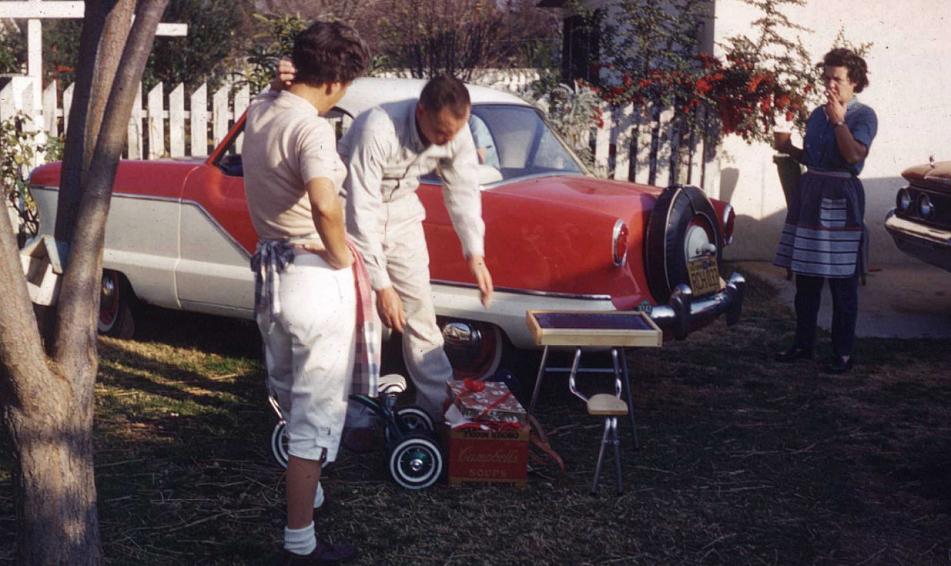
(792, 354)
(838, 365)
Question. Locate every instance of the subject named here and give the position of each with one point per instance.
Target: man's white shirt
(385, 158)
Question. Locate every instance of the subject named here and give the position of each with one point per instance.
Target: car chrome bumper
(684, 312)
(931, 245)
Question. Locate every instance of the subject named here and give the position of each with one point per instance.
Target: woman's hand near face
(835, 110)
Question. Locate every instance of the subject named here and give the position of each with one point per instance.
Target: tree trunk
(53, 477)
(106, 28)
(48, 403)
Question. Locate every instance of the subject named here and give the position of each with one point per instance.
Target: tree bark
(106, 28)
(48, 403)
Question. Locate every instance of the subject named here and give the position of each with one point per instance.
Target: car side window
(230, 159)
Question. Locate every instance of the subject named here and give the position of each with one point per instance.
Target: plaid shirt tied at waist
(272, 257)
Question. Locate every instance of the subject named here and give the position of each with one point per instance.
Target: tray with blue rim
(624, 329)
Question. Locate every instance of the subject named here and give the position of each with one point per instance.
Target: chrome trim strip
(552, 294)
(912, 229)
(189, 202)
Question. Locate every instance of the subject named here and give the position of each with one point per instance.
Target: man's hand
(390, 307)
(284, 76)
(483, 278)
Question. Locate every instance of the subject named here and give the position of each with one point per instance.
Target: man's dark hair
(329, 52)
(445, 92)
(842, 57)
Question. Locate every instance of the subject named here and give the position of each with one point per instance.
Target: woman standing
(824, 234)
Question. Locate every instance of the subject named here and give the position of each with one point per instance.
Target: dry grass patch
(742, 461)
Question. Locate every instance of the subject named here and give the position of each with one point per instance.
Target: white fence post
(602, 143)
(135, 127)
(176, 121)
(199, 121)
(219, 115)
(156, 122)
(49, 109)
(67, 105)
(242, 99)
(7, 106)
(622, 156)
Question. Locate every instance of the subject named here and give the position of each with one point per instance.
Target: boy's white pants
(309, 353)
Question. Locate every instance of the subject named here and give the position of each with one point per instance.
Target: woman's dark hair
(445, 92)
(842, 57)
(329, 52)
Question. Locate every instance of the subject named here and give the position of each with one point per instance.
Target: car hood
(936, 175)
(584, 193)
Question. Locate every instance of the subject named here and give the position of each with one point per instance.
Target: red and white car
(179, 236)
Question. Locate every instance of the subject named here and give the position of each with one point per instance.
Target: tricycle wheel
(415, 462)
(279, 443)
(411, 420)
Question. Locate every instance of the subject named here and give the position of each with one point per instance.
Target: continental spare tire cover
(679, 209)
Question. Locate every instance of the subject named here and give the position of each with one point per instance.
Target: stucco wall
(910, 76)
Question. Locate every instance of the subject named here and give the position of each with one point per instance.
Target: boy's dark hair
(445, 92)
(842, 57)
(328, 52)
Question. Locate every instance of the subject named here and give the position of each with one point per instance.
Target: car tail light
(925, 207)
(729, 221)
(903, 200)
(619, 242)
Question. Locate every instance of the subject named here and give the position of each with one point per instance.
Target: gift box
(480, 454)
(487, 401)
(488, 438)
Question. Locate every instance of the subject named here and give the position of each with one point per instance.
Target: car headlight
(619, 242)
(903, 200)
(925, 207)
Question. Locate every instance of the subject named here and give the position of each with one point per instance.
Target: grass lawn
(742, 461)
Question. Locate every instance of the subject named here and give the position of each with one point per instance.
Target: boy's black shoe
(838, 365)
(794, 353)
(325, 553)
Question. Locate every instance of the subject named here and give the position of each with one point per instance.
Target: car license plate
(704, 275)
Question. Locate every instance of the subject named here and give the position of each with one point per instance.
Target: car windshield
(512, 142)
(518, 143)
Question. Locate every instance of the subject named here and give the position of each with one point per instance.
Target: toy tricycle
(414, 460)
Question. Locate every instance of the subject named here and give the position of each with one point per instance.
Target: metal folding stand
(619, 370)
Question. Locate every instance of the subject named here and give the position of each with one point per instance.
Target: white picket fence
(641, 146)
(163, 125)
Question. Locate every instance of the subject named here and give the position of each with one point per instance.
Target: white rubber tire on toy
(415, 462)
(279, 443)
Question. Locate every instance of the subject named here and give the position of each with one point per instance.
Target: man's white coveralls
(385, 158)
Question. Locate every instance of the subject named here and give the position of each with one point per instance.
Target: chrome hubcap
(697, 243)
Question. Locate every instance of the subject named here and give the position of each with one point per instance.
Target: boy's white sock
(300, 541)
(319, 496)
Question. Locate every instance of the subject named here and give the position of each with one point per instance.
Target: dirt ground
(742, 461)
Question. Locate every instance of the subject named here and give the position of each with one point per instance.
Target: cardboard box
(488, 456)
(494, 403)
